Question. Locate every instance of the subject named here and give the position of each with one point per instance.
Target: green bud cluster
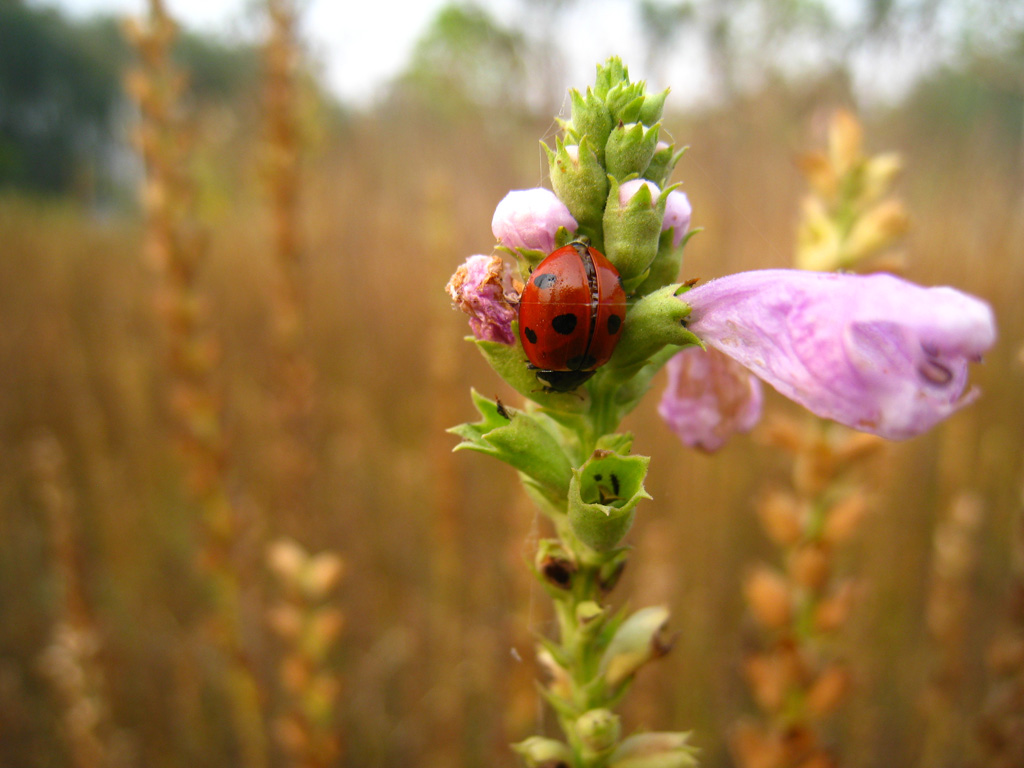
(613, 136)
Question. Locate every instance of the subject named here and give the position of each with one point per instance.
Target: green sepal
(654, 321)
(509, 362)
(654, 750)
(603, 495)
(630, 148)
(527, 258)
(542, 752)
(520, 442)
(663, 163)
(667, 264)
(653, 106)
(581, 184)
(632, 231)
(591, 120)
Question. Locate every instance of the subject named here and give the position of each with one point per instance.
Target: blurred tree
(466, 61)
(57, 91)
(60, 94)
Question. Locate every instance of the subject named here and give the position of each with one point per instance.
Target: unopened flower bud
(642, 637)
(599, 730)
(591, 119)
(653, 106)
(654, 750)
(678, 212)
(630, 148)
(580, 182)
(540, 752)
(632, 227)
(530, 219)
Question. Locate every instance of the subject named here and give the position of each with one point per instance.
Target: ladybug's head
(562, 381)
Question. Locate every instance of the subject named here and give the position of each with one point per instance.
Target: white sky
(362, 43)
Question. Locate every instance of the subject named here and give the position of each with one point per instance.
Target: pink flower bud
(482, 288)
(874, 352)
(629, 188)
(709, 398)
(530, 218)
(677, 215)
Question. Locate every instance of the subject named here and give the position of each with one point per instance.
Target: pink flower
(482, 288)
(530, 218)
(874, 352)
(709, 398)
(677, 216)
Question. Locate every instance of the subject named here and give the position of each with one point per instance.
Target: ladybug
(570, 316)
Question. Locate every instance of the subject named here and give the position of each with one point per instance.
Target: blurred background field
(432, 662)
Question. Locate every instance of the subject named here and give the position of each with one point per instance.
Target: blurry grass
(433, 541)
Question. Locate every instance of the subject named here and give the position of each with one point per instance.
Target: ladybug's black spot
(545, 280)
(614, 323)
(564, 324)
(531, 335)
(581, 362)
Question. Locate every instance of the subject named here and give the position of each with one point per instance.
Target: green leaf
(510, 363)
(519, 441)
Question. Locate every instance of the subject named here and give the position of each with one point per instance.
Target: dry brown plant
(176, 243)
(308, 626)
(294, 376)
(71, 661)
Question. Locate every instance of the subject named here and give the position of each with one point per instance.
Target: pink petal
(874, 352)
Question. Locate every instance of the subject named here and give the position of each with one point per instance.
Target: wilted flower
(874, 352)
(709, 398)
(481, 288)
(530, 218)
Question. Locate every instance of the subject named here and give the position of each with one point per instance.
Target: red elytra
(570, 315)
